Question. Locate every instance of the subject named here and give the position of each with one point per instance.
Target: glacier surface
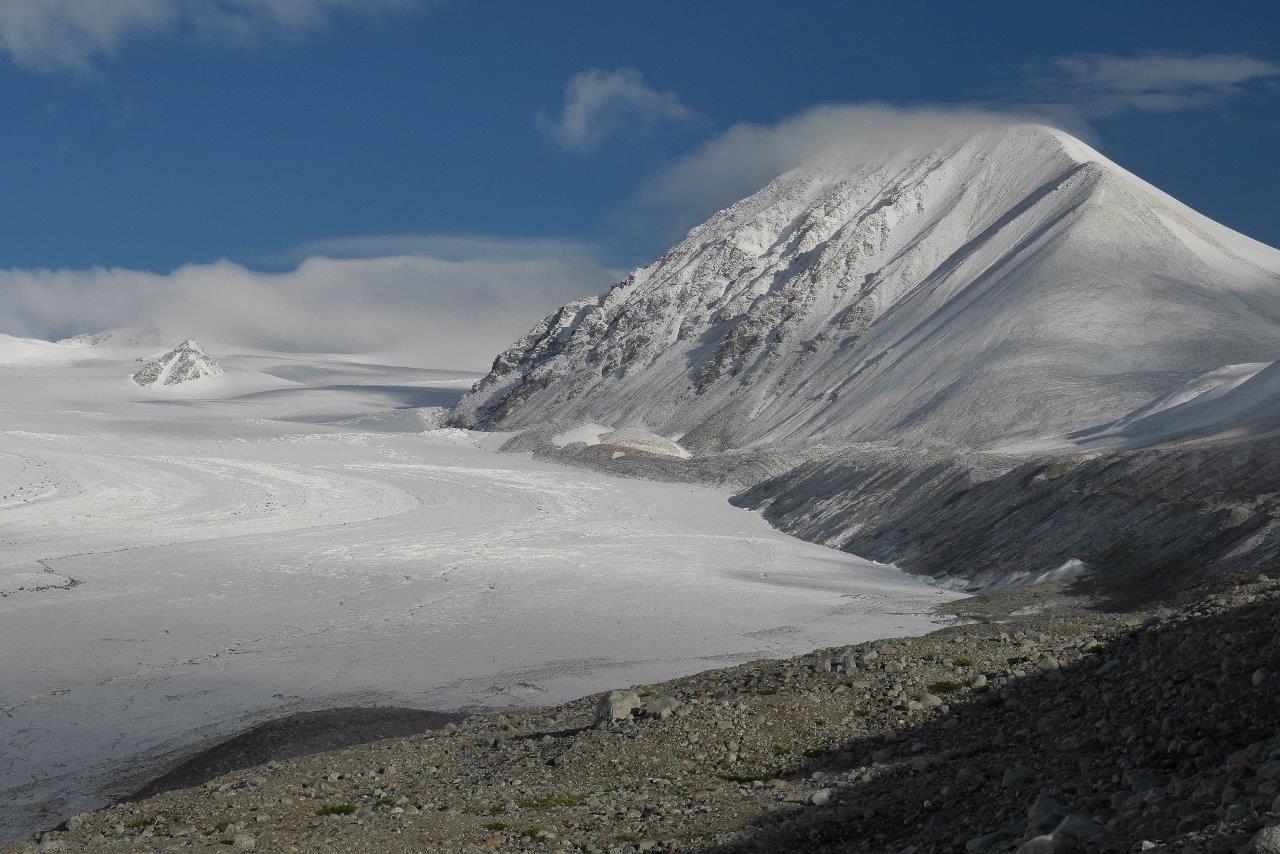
(295, 534)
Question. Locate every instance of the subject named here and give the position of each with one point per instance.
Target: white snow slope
(174, 565)
(1006, 285)
(1236, 401)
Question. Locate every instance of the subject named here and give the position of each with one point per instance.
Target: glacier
(299, 533)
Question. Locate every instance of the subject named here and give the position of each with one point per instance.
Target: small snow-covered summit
(1000, 286)
(185, 363)
(125, 336)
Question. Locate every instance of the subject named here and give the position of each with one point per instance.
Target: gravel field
(1039, 724)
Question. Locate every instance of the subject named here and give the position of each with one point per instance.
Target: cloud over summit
(742, 159)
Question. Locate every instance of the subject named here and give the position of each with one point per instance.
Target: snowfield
(295, 533)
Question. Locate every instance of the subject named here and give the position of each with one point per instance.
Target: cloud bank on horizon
(447, 312)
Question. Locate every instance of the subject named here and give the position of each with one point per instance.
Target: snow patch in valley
(587, 434)
(624, 439)
(987, 582)
(632, 439)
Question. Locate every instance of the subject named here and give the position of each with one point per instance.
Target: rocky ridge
(183, 364)
(1148, 520)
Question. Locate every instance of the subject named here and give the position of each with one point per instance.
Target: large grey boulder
(617, 706)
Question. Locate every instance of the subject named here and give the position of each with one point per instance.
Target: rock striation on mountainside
(998, 287)
(183, 364)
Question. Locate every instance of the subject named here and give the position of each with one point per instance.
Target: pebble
(1266, 840)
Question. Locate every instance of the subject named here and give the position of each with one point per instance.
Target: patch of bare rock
(1058, 731)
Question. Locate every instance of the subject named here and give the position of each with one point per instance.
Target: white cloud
(747, 156)
(449, 247)
(599, 104)
(1068, 92)
(451, 313)
(1103, 85)
(69, 35)
(1159, 73)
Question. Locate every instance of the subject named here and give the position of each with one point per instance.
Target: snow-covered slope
(1235, 401)
(183, 364)
(1005, 285)
(19, 351)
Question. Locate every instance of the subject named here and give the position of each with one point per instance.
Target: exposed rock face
(1010, 284)
(183, 364)
(1149, 520)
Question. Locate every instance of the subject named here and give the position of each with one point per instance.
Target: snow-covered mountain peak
(993, 286)
(183, 364)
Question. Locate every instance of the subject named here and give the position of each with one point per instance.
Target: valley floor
(1042, 725)
(175, 566)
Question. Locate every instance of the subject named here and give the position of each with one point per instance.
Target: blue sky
(179, 146)
(150, 134)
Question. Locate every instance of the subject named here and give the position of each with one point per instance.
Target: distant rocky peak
(188, 362)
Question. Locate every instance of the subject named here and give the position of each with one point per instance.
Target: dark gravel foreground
(295, 735)
(1040, 724)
